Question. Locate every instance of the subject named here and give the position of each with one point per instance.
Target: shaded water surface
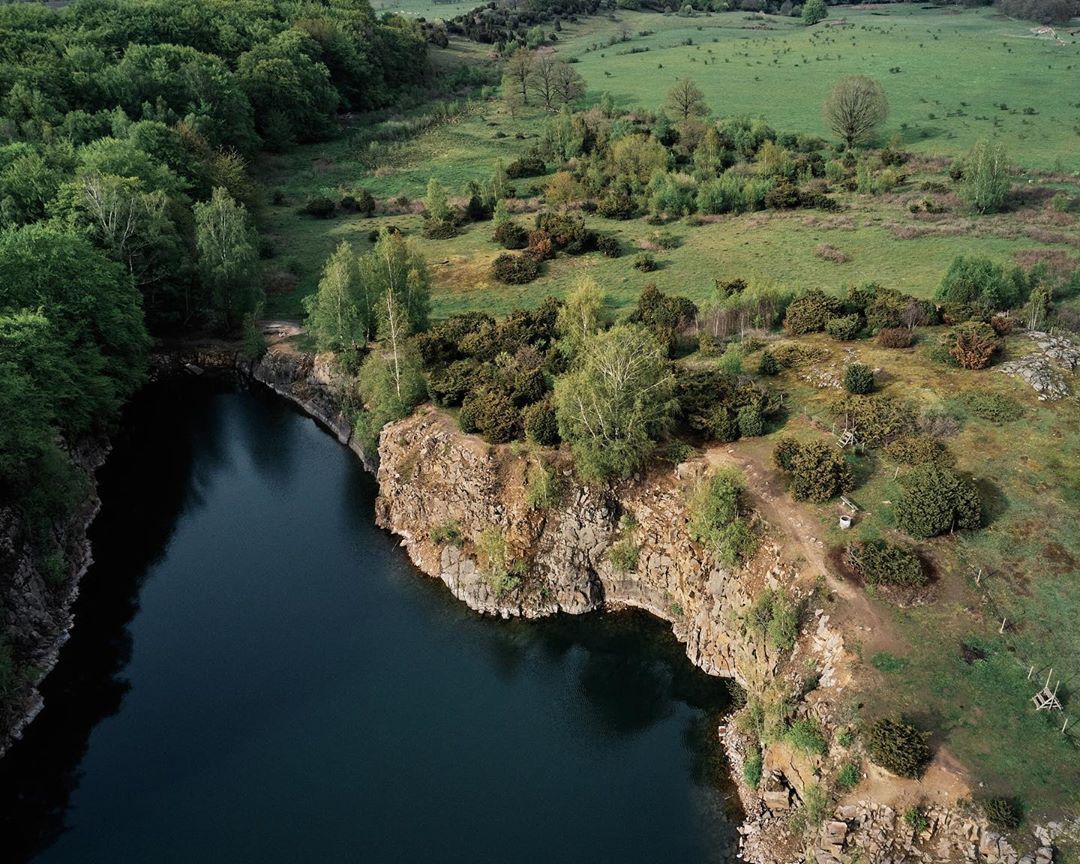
(259, 675)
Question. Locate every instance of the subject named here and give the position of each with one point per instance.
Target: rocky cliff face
(435, 482)
(37, 590)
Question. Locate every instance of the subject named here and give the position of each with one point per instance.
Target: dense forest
(126, 204)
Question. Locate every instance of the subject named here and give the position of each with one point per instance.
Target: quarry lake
(258, 674)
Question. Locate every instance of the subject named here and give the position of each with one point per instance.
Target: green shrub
(644, 262)
(986, 177)
(609, 246)
(979, 282)
(510, 235)
(541, 425)
(624, 553)
(319, 208)
(858, 379)
(515, 269)
(449, 385)
(917, 819)
(447, 533)
(994, 407)
(750, 421)
(844, 328)
(440, 229)
(810, 313)
(919, 449)
(936, 500)
(492, 414)
(898, 747)
(716, 521)
(849, 776)
(678, 452)
(815, 806)
(493, 558)
(776, 617)
(1005, 814)
(877, 420)
(768, 364)
(884, 563)
(817, 471)
(751, 770)
(806, 735)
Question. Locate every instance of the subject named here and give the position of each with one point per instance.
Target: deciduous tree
(855, 108)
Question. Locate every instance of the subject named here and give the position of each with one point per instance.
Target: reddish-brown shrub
(973, 344)
(1002, 324)
(828, 252)
(895, 337)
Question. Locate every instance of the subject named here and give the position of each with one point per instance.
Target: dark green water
(259, 675)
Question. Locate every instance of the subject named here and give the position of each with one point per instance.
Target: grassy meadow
(949, 668)
(951, 76)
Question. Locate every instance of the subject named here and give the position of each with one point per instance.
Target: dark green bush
(439, 229)
(877, 420)
(858, 379)
(750, 421)
(529, 165)
(540, 423)
(817, 471)
(898, 747)
(493, 415)
(768, 364)
(449, 385)
(644, 262)
(936, 500)
(981, 282)
(515, 269)
(510, 235)
(319, 208)
(806, 735)
(1005, 814)
(609, 246)
(810, 313)
(884, 563)
(919, 449)
(844, 328)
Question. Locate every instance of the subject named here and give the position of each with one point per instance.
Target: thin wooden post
(1030, 671)
(1063, 725)
(1002, 628)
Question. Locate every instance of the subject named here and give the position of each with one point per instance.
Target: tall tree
(855, 108)
(986, 177)
(685, 100)
(517, 77)
(615, 402)
(226, 244)
(338, 313)
(814, 11)
(579, 316)
(396, 269)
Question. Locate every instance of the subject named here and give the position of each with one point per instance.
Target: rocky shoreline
(440, 491)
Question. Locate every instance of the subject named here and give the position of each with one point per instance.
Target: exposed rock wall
(38, 602)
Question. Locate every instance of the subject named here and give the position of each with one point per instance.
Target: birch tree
(339, 312)
(615, 403)
(225, 241)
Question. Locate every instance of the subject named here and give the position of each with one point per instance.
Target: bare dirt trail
(795, 527)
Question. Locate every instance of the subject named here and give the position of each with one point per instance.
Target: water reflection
(294, 690)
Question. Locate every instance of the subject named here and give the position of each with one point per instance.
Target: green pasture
(947, 72)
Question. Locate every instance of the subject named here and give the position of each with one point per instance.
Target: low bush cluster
(515, 269)
(500, 373)
(876, 419)
(995, 407)
(816, 471)
(719, 406)
(858, 379)
(919, 449)
(936, 500)
(884, 563)
(774, 615)
(845, 328)
(898, 747)
(895, 337)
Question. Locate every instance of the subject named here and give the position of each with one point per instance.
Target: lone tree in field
(685, 100)
(814, 11)
(855, 108)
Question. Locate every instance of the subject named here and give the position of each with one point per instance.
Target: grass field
(956, 71)
(1028, 551)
